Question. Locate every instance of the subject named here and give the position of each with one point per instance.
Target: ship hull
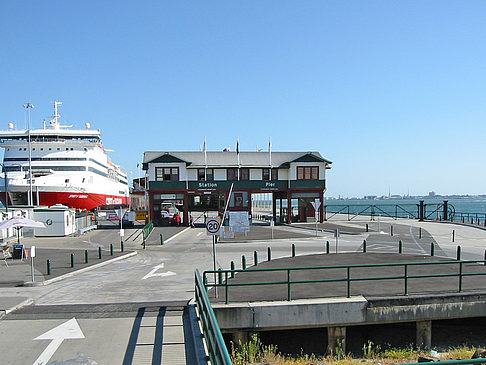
(83, 201)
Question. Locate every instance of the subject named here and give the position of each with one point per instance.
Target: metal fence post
(348, 269)
(406, 279)
(460, 277)
(289, 295)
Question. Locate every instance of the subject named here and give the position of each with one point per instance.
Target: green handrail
(456, 362)
(346, 278)
(218, 353)
(147, 230)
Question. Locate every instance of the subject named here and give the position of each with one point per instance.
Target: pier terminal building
(201, 181)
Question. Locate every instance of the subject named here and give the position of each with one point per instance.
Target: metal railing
(431, 211)
(218, 353)
(147, 230)
(456, 362)
(348, 278)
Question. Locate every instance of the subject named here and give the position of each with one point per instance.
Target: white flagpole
(238, 154)
(205, 160)
(270, 150)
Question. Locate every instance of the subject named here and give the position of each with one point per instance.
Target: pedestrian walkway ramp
(169, 337)
(149, 333)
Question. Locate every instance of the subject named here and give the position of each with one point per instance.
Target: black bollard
(72, 260)
(255, 258)
(111, 249)
(420, 232)
(269, 254)
(432, 249)
(364, 246)
(122, 246)
(232, 266)
(367, 230)
(243, 262)
(458, 252)
(293, 250)
(391, 230)
(86, 258)
(327, 247)
(100, 254)
(49, 266)
(400, 246)
(453, 234)
(161, 239)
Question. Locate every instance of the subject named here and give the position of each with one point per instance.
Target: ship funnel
(87, 125)
(10, 125)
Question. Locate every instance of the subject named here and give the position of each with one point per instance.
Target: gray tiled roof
(228, 159)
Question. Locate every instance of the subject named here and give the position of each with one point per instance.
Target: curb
(25, 303)
(84, 269)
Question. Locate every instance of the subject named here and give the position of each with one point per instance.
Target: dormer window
(167, 173)
(307, 172)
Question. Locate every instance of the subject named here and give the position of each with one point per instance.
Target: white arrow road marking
(67, 330)
(152, 272)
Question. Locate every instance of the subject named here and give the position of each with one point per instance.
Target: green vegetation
(254, 352)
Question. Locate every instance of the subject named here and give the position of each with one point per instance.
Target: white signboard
(167, 196)
(316, 204)
(213, 225)
(239, 221)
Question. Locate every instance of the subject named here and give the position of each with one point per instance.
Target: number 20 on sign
(212, 226)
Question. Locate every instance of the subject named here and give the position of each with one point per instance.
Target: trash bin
(18, 251)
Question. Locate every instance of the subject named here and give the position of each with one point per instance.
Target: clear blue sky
(392, 92)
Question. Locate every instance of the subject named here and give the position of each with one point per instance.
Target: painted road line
(67, 330)
(177, 234)
(162, 274)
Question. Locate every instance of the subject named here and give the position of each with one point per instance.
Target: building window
(238, 200)
(244, 174)
(167, 174)
(307, 173)
(232, 174)
(266, 174)
(209, 174)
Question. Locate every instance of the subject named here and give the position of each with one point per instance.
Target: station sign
(213, 225)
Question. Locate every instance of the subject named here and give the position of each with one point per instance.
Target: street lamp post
(29, 106)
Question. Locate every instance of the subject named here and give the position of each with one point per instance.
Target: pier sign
(213, 226)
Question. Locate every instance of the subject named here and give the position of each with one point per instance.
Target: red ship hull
(83, 201)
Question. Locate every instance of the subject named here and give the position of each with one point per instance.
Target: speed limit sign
(212, 226)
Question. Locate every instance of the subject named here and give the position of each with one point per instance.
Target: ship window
(33, 149)
(67, 149)
(72, 149)
(20, 149)
(25, 149)
(66, 181)
(50, 149)
(58, 148)
(42, 149)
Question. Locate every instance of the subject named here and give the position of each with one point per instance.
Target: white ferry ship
(66, 166)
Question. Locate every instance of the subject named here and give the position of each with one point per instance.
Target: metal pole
(29, 106)
(32, 268)
(214, 266)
